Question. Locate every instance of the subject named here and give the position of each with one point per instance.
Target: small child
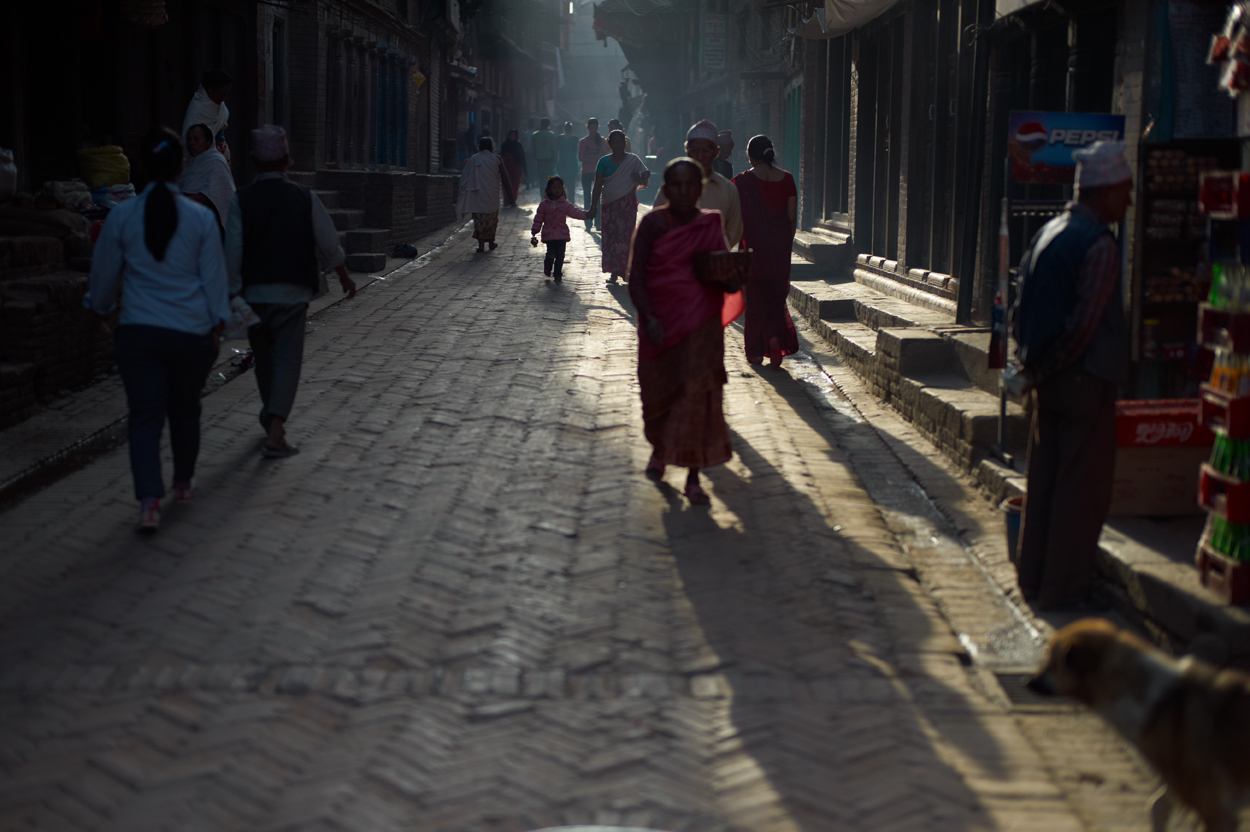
(551, 218)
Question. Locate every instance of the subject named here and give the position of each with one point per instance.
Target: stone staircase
(366, 247)
(906, 348)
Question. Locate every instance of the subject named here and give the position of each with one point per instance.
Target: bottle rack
(1223, 556)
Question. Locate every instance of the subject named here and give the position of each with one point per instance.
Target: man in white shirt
(273, 234)
(718, 192)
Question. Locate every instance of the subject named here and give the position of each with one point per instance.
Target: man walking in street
(545, 151)
(590, 150)
(718, 192)
(1072, 339)
(274, 232)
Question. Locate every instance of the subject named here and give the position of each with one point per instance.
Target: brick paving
(462, 607)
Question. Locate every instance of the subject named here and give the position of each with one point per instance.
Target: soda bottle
(1218, 452)
(1218, 287)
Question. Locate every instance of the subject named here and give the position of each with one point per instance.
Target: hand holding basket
(726, 269)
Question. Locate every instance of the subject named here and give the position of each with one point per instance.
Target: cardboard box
(1159, 481)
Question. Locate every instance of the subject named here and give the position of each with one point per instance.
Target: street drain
(1021, 698)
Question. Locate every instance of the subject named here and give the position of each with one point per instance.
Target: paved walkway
(462, 607)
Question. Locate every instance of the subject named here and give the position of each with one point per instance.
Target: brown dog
(1189, 719)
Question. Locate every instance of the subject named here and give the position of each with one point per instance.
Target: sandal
(696, 495)
(654, 470)
(270, 452)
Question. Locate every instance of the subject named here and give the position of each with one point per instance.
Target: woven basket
(726, 269)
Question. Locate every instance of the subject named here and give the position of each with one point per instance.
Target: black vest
(278, 241)
(1048, 278)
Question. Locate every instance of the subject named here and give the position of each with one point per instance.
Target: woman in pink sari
(769, 202)
(681, 345)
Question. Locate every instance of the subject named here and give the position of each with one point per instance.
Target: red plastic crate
(1221, 411)
(1226, 496)
(1224, 576)
(1211, 321)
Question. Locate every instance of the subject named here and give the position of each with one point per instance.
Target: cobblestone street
(462, 607)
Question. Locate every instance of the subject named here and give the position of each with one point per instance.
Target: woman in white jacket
(484, 177)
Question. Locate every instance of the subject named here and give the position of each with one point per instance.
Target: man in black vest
(274, 231)
(1072, 338)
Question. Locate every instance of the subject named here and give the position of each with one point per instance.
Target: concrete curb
(1157, 590)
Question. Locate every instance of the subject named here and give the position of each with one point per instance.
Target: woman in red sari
(769, 207)
(681, 346)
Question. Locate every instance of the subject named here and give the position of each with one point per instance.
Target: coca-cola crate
(1221, 411)
(1237, 324)
(1155, 422)
(1224, 576)
(1226, 496)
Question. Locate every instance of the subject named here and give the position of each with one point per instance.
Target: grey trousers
(1071, 474)
(278, 345)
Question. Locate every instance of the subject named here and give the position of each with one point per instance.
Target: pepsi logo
(1031, 136)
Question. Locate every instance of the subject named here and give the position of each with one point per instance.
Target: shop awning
(1003, 8)
(837, 17)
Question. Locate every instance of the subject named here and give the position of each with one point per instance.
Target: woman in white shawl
(207, 178)
(483, 178)
(208, 107)
(617, 177)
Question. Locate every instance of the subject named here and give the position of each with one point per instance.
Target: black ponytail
(761, 147)
(162, 161)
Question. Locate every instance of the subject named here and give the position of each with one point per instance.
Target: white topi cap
(725, 137)
(703, 130)
(1101, 163)
(269, 143)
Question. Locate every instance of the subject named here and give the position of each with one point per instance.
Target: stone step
(918, 361)
(346, 219)
(823, 247)
(304, 178)
(362, 240)
(366, 262)
(329, 199)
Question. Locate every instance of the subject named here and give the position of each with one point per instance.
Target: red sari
(681, 378)
(767, 231)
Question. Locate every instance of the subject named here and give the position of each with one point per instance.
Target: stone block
(363, 240)
(366, 262)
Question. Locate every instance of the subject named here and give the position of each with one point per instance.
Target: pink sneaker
(184, 491)
(149, 515)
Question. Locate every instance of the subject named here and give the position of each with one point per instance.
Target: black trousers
(163, 371)
(555, 257)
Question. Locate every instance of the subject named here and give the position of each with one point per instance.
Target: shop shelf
(1226, 496)
(1221, 411)
(1224, 576)
(1212, 320)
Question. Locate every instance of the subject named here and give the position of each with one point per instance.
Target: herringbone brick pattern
(462, 607)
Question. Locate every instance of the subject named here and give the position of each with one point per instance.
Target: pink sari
(679, 300)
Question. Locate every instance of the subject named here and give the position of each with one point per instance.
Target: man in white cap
(718, 192)
(274, 231)
(1072, 340)
(722, 165)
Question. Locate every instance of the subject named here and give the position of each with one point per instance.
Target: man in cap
(718, 192)
(1072, 340)
(274, 231)
(722, 165)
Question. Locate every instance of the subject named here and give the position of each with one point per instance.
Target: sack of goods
(104, 166)
(69, 193)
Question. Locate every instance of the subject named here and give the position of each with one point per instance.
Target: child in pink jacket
(550, 217)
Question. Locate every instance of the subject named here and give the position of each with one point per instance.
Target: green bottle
(1216, 298)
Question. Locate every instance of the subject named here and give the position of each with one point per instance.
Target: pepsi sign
(1040, 145)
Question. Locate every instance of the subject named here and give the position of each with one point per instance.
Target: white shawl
(209, 174)
(480, 184)
(622, 183)
(203, 110)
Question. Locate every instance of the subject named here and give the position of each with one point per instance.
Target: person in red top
(769, 208)
(681, 345)
(550, 219)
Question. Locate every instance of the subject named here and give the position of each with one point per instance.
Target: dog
(1189, 719)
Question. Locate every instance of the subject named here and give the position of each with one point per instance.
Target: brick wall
(306, 51)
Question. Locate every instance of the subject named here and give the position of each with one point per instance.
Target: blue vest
(1047, 296)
